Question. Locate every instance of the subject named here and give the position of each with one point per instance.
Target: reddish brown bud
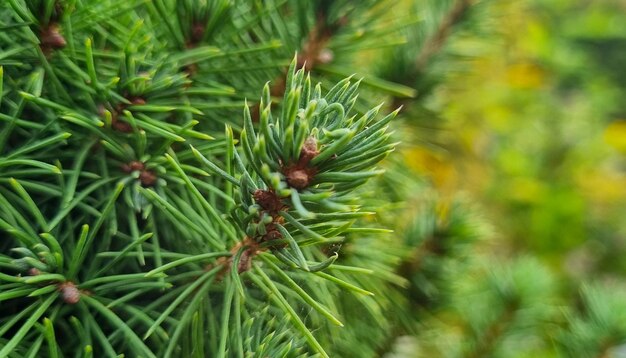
(268, 200)
(191, 70)
(136, 165)
(197, 32)
(245, 261)
(137, 101)
(298, 179)
(51, 37)
(133, 166)
(147, 178)
(299, 175)
(272, 234)
(121, 126)
(69, 292)
(101, 109)
(308, 151)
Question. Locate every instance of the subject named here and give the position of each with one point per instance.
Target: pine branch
(596, 326)
(489, 337)
(314, 49)
(437, 40)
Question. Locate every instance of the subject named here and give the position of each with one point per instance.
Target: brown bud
(308, 151)
(191, 70)
(121, 126)
(245, 261)
(268, 200)
(136, 165)
(101, 109)
(69, 292)
(272, 234)
(325, 56)
(51, 37)
(298, 178)
(137, 101)
(133, 166)
(147, 178)
(197, 32)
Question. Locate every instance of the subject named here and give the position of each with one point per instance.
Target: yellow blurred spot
(615, 135)
(602, 186)
(499, 117)
(431, 164)
(526, 190)
(525, 75)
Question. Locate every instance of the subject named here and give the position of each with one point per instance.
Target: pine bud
(325, 56)
(298, 179)
(133, 166)
(308, 151)
(51, 37)
(197, 32)
(268, 200)
(69, 292)
(147, 178)
(137, 101)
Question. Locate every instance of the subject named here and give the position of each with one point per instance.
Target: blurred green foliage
(523, 112)
(539, 132)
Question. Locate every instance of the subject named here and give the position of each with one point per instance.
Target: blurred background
(537, 126)
(531, 124)
(521, 118)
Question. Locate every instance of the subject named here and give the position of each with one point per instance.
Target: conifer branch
(437, 40)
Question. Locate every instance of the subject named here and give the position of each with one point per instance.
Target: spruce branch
(440, 234)
(437, 40)
(431, 38)
(314, 48)
(286, 168)
(595, 327)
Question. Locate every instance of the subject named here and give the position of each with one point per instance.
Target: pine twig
(489, 338)
(314, 50)
(434, 43)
